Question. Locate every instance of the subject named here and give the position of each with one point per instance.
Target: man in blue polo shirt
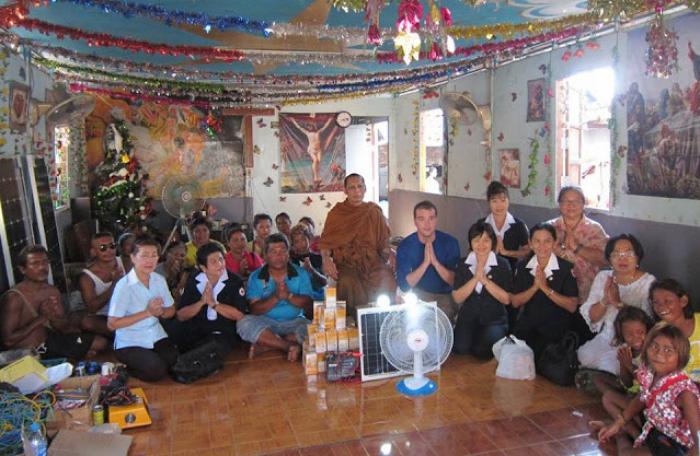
(425, 260)
(278, 293)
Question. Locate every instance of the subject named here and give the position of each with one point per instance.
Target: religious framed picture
(18, 106)
(510, 167)
(535, 100)
(312, 153)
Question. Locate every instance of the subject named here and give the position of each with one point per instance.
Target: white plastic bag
(516, 360)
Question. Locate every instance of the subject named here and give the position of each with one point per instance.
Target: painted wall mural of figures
(312, 150)
(663, 118)
(172, 141)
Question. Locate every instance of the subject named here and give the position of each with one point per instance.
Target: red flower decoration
(446, 16)
(410, 13)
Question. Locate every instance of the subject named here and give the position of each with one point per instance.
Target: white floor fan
(417, 340)
(181, 197)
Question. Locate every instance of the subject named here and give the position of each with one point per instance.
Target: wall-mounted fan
(181, 197)
(417, 339)
(461, 106)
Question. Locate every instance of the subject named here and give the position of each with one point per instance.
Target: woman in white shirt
(625, 284)
(139, 299)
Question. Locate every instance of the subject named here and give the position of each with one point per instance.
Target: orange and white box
(311, 331)
(321, 363)
(328, 318)
(343, 340)
(331, 340)
(318, 312)
(340, 314)
(353, 339)
(330, 297)
(320, 342)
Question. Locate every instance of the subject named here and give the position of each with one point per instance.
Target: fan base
(405, 387)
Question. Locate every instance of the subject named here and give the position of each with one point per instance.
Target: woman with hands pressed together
(481, 286)
(625, 284)
(546, 291)
(139, 299)
(212, 303)
(579, 239)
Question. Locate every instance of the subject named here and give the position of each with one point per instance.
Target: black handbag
(198, 363)
(558, 362)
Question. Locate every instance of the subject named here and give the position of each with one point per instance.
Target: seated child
(669, 399)
(631, 327)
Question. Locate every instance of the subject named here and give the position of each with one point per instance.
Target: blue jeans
(251, 326)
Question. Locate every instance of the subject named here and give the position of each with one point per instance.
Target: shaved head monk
(355, 248)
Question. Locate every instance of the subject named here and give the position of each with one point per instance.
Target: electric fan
(181, 197)
(417, 338)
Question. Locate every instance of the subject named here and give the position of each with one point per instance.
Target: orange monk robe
(356, 236)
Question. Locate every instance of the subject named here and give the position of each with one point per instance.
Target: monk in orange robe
(355, 248)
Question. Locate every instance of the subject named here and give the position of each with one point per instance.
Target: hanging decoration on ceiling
(415, 133)
(169, 17)
(372, 11)
(438, 42)
(662, 55)
(16, 17)
(211, 125)
(407, 40)
(119, 201)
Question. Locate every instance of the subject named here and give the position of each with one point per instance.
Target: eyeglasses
(110, 246)
(623, 254)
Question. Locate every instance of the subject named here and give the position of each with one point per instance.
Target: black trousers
(149, 365)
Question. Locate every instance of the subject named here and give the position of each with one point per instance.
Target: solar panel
(374, 365)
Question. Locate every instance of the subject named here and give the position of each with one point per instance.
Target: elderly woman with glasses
(623, 285)
(580, 240)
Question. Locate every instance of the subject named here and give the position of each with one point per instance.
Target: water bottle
(34, 441)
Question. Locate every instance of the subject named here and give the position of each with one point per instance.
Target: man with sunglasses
(97, 282)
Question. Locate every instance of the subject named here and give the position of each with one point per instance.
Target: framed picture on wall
(510, 167)
(535, 100)
(18, 106)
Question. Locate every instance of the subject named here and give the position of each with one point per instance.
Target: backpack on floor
(198, 363)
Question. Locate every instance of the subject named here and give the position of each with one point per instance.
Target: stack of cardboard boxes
(328, 332)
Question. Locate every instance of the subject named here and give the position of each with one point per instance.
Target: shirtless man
(314, 149)
(31, 315)
(97, 282)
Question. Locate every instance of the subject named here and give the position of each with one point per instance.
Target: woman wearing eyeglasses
(97, 281)
(623, 285)
(580, 240)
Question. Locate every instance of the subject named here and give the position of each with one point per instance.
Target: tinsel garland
(4, 103)
(128, 10)
(533, 160)
(616, 160)
(10, 17)
(415, 133)
(119, 201)
(489, 48)
(508, 30)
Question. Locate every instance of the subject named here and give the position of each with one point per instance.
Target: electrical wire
(16, 411)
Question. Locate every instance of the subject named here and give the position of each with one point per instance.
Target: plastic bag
(516, 361)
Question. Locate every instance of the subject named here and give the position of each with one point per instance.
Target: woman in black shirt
(481, 286)
(546, 291)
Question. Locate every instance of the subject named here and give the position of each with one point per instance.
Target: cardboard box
(321, 363)
(343, 340)
(320, 343)
(311, 331)
(318, 312)
(78, 418)
(74, 443)
(331, 340)
(340, 313)
(328, 319)
(330, 297)
(353, 339)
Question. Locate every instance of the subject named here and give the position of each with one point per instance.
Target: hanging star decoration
(308, 201)
(268, 182)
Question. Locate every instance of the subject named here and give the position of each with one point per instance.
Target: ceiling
(312, 47)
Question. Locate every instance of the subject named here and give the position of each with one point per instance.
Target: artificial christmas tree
(119, 198)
